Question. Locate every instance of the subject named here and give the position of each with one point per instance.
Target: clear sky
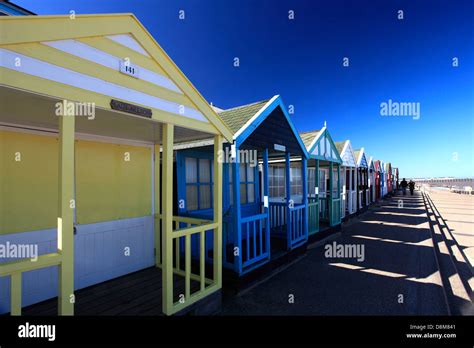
(409, 60)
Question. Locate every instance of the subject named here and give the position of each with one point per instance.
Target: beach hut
(348, 178)
(265, 214)
(383, 179)
(371, 182)
(324, 182)
(378, 180)
(396, 179)
(389, 174)
(99, 99)
(362, 179)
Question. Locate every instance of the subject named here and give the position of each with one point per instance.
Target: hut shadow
(397, 276)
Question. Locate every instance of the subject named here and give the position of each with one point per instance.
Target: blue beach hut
(324, 181)
(265, 215)
(362, 179)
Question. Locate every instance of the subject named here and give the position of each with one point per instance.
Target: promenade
(400, 273)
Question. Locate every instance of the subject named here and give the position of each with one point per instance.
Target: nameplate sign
(130, 108)
(278, 147)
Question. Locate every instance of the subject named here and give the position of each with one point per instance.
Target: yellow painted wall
(107, 186)
(28, 187)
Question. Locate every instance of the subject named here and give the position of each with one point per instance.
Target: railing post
(267, 198)
(66, 215)
(236, 211)
(330, 195)
(339, 188)
(15, 293)
(156, 212)
(316, 183)
(288, 199)
(218, 210)
(167, 219)
(305, 198)
(357, 174)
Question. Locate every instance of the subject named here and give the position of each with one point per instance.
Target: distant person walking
(404, 186)
(411, 184)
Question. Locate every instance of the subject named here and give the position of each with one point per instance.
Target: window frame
(198, 184)
(245, 182)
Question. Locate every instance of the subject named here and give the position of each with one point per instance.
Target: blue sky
(407, 60)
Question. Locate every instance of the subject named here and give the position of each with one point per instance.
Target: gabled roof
(320, 145)
(237, 117)
(346, 152)
(340, 145)
(379, 166)
(244, 120)
(309, 137)
(361, 158)
(371, 163)
(173, 98)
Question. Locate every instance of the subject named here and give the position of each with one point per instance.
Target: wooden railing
(344, 203)
(184, 228)
(324, 208)
(288, 221)
(277, 214)
(336, 211)
(15, 269)
(256, 239)
(313, 214)
(296, 224)
(353, 202)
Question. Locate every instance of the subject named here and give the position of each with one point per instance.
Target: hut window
(296, 185)
(198, 183)
(247, 183)
(334, 182)
(311, 181)
(276, 181)
(322, 180)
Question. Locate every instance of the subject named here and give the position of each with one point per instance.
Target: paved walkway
(398, 276)
(457, 212)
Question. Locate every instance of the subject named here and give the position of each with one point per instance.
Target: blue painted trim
(12, 10)
(288, 198)
(305, 197)
(236, 213)
(266, 209)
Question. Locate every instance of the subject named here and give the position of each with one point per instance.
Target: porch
(88, 155)
(96, 247)
(134, 294)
